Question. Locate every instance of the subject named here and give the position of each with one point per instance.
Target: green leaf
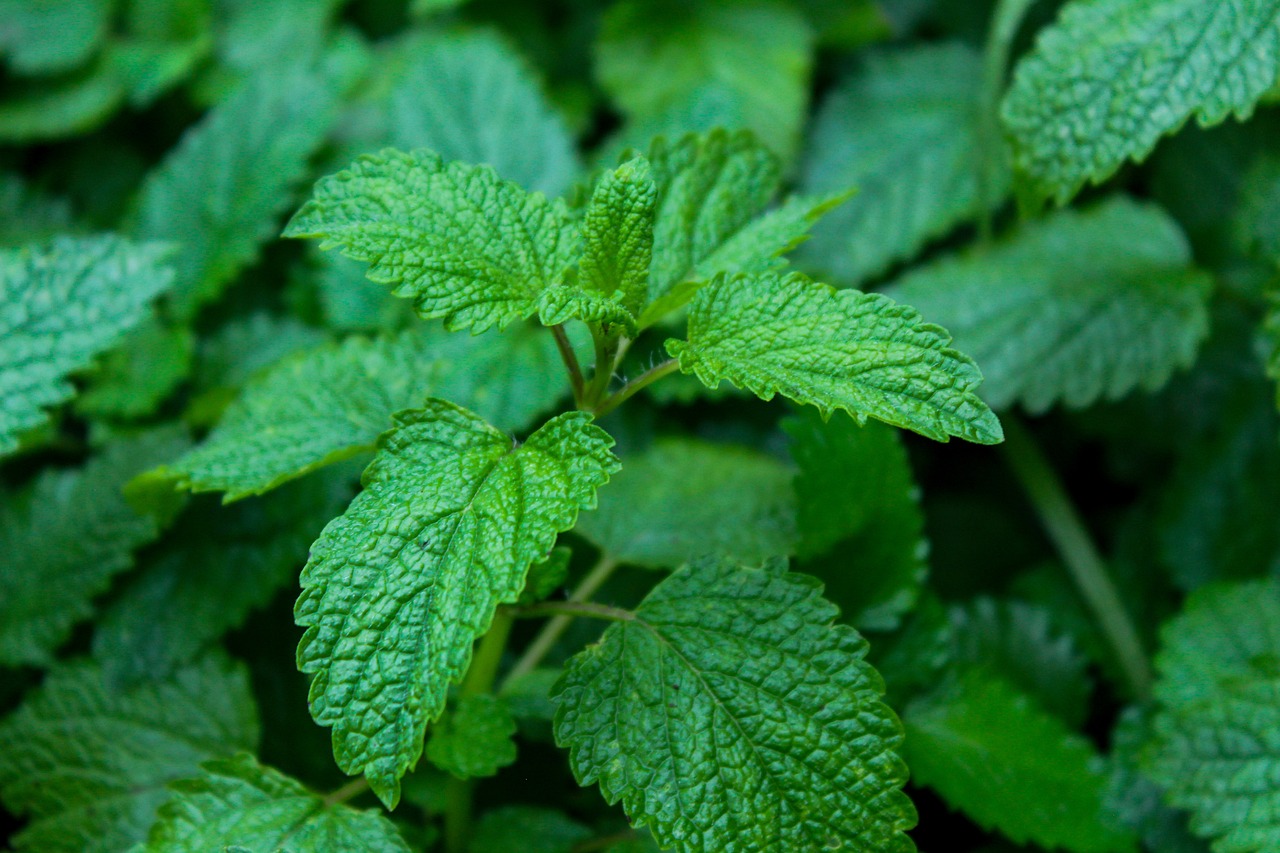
(861, 531)
(684, 498)
(527, 829)
(350, 301)
(677, 66)
(1073, 308)
(546, 576)
(991, 751)
(51, 35)
(64, 538)
(713, 191)
(1019, 642)
(469, 96)
(219, 194)
(859, 352)
(617, 235)
(28, 214)
(1111, 77)
(61, 304)
(1215, 747)
(904, 130)
(461, 242)
(217, 564)
(729, 713)
(453, 514)
(331, 403)
(474, 739)
(238, 804)
(67, 105)
(135, 378)
(89, 764)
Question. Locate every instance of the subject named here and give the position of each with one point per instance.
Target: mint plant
(575, 473)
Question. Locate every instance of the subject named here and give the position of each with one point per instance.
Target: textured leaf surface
(1217, 737)
(469, 96)
(64, 538)
(453, 514)
(461, 242)
(713, 191)
(617, 235)
(729, 713)
(60, 305)
(134, 379)
(861, 530)
(474, 739)
(684, 498)
(675, 66)
(216, 565)
(1073, 308)
(772, 334)
(1111, 77)
(993, 753)
(903, 130)
(221, 191)
(333, 402)
(90, 764)
(238, 804)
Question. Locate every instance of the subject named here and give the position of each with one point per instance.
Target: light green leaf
(684, 498)
(238, 804)
(469, 96)
(461, 242)
(676, 66)
(48, 36)
(859, 352)
(729, 713)
(474, 739)
(89, 764)
(904, 131)
(861, 531)
(1111, 77)
(65, 538)
(527, 829)
(991, 751)
(1216, 748)
(1018, 642)
(713, 191)
(217, 564)
(327, 404)
(220, 192)
(37, 111)
(61, 304)
(1073, 308)
(617, 235)
(453, 514)
(134, 379)
(350, 301)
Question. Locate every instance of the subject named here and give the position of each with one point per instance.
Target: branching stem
(1071, 539)
(606, 358)
(556, 626)
(570, 362)
(642, 381)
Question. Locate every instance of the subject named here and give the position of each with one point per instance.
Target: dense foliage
(488, 426)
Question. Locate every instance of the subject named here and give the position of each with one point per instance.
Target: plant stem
(645, 379)
(606, 356)
(1005, 22)
(557, 625)
(589, 609)
(479, 679)
(570, 362)
(349, 791)
(1071, 539)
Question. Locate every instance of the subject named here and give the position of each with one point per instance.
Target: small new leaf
(1111, 77)
(61, 304)
(617, 234)
(729, 713)
(237, 804)
(89, 764)
(863, 353)
(461, 242)
(474, 739)
(453, 514)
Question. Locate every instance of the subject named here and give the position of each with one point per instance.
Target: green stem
(570, 362)
(480, 677)
(1071, 539)
(352, 789)
(1005, 22)
(606, 357)
(589, 609)
(556, 626)
(642, 381)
